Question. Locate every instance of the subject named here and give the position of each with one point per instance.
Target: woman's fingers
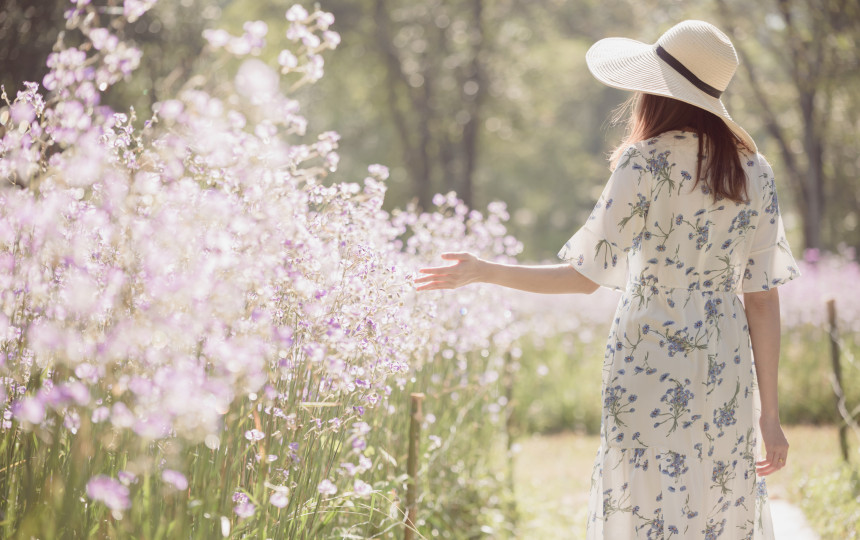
(437, 282)
(765, 466)
(768, 458)
(764, 470)
(775, 445)
(435, 269)
(774, 461)
(448, 256)
(433, 277)
(443, 277)
(436, 285)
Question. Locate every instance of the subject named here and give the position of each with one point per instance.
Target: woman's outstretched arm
(549, 279)
(762, 310)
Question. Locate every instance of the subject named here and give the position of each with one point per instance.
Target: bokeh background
(490, 100)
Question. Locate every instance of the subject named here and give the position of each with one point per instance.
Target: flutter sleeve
(599, 249)
(769, 262)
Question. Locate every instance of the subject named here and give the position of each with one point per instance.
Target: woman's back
(661, 231)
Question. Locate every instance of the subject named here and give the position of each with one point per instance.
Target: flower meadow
(201, 336)
(204, 333)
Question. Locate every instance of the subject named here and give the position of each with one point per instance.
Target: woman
(688, 220)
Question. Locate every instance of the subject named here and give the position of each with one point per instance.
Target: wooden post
(837, 374)
(509, 433)
(412, 464)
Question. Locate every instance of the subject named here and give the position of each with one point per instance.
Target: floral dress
(680, 405)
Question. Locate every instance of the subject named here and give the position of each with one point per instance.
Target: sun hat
(692, 62)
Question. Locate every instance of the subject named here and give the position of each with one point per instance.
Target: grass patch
(553, 477)
(557, 386)
(822, 485)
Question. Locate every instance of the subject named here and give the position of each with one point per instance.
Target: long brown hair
(718, 156)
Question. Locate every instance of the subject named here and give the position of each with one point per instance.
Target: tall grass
(830, 498)
(204, 336)
(462, 476)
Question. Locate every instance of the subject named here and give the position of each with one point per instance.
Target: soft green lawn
(553, 474)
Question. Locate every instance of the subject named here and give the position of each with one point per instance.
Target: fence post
(837, 374)
(412, 464)
(509, 432)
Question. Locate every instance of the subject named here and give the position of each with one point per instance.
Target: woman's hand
(775, 445)
(466, 270)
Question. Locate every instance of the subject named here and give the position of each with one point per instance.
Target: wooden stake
(509, 433)
(412, 464)
(837, 374)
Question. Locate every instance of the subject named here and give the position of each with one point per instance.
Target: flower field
(205, 333)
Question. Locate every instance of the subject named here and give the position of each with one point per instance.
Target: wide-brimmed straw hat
(692, 62)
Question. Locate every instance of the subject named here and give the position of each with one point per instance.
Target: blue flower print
(677, 395)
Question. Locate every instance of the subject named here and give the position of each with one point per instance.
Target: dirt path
(789, 523)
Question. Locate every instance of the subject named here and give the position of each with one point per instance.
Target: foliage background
(493, 99)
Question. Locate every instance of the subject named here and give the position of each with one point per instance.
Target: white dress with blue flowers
(680, 405)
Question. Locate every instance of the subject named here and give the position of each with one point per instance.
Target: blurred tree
(169, 35)
(435, 58)
(28, 31)
(492, 99)
(489, 99)
(811, 46)
(436, 84)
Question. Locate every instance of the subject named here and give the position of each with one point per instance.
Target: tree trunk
(804, 70)
(814, 176)
(415, 153)
(475, 101)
